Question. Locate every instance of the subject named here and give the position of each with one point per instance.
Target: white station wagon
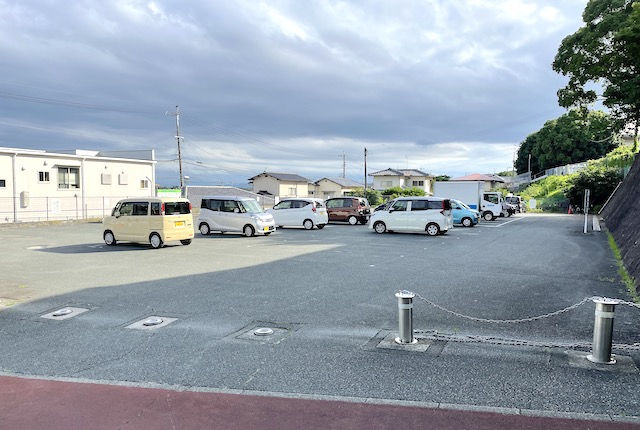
(300, 212)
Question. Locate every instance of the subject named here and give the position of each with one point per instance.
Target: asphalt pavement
(329, 360)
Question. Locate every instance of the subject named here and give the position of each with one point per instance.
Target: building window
(3, 183)
(144, 184)
(387, 184)
(43, 176)
(68, 177)
(292, 191)
(418, 183)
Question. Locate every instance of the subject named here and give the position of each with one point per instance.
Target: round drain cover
(264, 331)
(152, 321)
(62, 312)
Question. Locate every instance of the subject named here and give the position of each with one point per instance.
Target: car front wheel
(248, 231)
(109, 238)
(379, 227)
(432, 229)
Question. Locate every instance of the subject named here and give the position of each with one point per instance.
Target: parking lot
(328, 297)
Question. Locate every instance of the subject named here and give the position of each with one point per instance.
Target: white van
(418, 214)
(234, 214)
(153, 220)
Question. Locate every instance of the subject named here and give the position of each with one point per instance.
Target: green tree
(604, 52)
(373, 196)
(600, 180)
(394, 192)
(577, 136)
(440, 178)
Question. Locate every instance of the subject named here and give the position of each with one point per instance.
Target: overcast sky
(290, 86)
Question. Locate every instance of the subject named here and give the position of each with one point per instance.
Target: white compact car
(300, 212)
(416, 214)
(234, 214)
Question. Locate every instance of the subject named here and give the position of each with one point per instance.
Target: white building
(37, 185)
(280, 185)
(403, 178)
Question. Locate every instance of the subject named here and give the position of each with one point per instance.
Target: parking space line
(502, 224)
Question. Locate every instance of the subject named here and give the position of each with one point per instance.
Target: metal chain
(632, 304)
(494, 321)
(518, 342)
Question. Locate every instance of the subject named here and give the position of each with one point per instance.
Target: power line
(243, 138)
(42, 100)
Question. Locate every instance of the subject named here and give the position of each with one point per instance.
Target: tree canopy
(604, 53)
(574, 137)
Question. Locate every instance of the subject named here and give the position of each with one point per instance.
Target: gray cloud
(450, 87)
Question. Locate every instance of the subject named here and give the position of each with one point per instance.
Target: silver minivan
(418, 214)
(234, 214)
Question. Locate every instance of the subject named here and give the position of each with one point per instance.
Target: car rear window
(297, 204)
(173, 208)
(319, 204)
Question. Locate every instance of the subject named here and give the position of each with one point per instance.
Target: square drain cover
(151, 323)
(64, 313)
(389, 342)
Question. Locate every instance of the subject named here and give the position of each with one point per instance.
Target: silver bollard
(405, 317)
(603, 331)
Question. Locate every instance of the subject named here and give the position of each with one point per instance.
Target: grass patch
(627, 280)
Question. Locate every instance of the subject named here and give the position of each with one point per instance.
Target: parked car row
(156, 220)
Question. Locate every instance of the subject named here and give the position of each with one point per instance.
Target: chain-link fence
(39, 209)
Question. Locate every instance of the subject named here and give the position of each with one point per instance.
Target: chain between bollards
(602, 327)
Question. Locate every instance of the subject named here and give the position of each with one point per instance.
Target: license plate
(179, 223)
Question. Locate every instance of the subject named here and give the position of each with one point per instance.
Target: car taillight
(190, 207)
(313, 208)
(162, 209)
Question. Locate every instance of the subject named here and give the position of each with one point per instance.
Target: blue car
(463, 214)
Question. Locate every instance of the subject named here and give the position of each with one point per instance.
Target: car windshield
(251, 206)
(462, 204)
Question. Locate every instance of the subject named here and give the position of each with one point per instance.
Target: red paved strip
(32, 404)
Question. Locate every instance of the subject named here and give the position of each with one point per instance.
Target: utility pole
(344, 166)
(177, 115)
(365, 171)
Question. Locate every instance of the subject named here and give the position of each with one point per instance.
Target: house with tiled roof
(280, 185)
(334, 187)
(404, 178)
